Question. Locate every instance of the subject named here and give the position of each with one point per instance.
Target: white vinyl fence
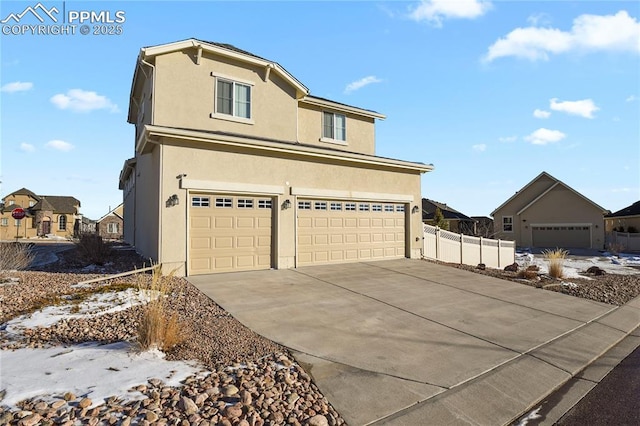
(626, 241)
(458, 248)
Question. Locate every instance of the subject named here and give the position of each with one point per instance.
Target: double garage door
(565, 236)
(235, 233)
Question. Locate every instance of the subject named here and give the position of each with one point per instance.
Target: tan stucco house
(238, 167)
(548, 213)
(46, 215)
(456, 221)
(624, 220)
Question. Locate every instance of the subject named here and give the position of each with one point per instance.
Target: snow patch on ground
(575, 266)
(97, 371)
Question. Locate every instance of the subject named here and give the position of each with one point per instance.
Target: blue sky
(491, 93)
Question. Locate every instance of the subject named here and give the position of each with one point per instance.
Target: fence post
(461, 249)
(437, 243)
(481, 241)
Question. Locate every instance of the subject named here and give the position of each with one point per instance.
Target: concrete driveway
(410, 342)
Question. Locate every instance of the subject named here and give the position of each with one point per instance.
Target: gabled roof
(57, 204)
(327, 103)
(112, 212)
(23, 191)
(222, 49)
(632, 210)
(127, 168)
(429, 209)
(555, 183)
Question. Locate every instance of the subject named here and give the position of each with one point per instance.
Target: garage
(229, 233)
(334, 231)
(561, 236)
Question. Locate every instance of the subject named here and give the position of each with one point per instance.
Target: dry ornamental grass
(15, 256)
(556, 261)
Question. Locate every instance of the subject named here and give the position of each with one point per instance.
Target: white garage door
(566, 236)
(229, 233)
(347, 231)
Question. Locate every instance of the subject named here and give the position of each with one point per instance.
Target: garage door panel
(353, 231)
(229, 233)
(562, 236)
(201, 243)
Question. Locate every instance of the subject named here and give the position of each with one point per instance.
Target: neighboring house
(46, 215)
(110, 226)
(87, 226)
(548, 213)
(237, 167)
(484, 226)
(457, 221)
(624, 220)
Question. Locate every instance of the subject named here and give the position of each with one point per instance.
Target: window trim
(510, 223)
(62, 222)
(110, 227)
(333, 140)
(4, 221)
(232, 117)
(201, 200)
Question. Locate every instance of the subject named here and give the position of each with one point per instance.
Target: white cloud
(435, 11)
(619, 32)
(584, 108)
(539, 113)
(359, 84)
(539, 19)
(544, 136)
(508, 138)
(17, 86)
(59, 145)
(481, 147)
(83, 101)
(631, 98)
(27, 147)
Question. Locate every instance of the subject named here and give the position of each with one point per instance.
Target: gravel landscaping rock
(246, 379)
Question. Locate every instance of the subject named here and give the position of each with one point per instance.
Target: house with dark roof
(236, 167)
(46, 215)
(624, 220)
(456, 221)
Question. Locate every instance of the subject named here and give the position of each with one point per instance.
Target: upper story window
(334, 126)
(62, 223)
(11, 202)
(233, 98)
(32, 203)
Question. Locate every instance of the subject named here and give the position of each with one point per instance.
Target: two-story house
(46, 215)
(237, 167)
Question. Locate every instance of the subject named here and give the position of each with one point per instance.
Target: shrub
(527, 274)
(15, 256)
(632, 230)
(158, 328)
(556, 261)
(93, 249)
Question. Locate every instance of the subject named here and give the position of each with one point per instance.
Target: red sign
(18, 213)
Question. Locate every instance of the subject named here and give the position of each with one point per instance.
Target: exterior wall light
(415, 209)
(172, 201)
(286, 204)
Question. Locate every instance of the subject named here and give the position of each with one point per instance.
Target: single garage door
(561, 236)
(229, 233)
(347, 231)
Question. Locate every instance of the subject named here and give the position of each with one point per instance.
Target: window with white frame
(304, 205)
(62, 223)
(32, 203)
(200, 202)
(233, 98)
(336, 206)
(507, 223)
(400, 208)
(388, 207)
(113, 228)
(224, 202)
(11, 202)
(334, 126)
(350, 206)
(363, 207)
(264, 204)
(4, 221)
(16, 223)
(376, 207)
(320, 205)
(245, 203)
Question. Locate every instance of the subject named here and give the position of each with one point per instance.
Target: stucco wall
(360, 130)
(185, 96)
(283, 170)
(147, 204)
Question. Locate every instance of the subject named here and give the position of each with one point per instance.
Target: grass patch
(159, 328)
(15, 256)
(556, 259)
(527, 274)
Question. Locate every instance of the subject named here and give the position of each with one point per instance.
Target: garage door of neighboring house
(565, 236)
(229, 233)
(333, 231)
